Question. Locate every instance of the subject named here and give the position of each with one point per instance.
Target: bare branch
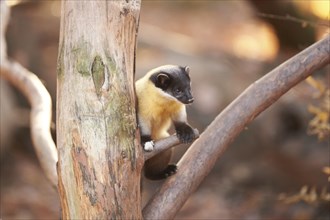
(202, 155)
(40, 100)
(165, 144)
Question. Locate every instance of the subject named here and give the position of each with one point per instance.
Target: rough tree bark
(202, 155)
(100, 162)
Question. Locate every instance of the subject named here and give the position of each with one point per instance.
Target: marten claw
(170, 170)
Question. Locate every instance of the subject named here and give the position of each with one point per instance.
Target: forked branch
(202, 155)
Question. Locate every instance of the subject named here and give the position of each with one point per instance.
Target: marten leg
(158, 167)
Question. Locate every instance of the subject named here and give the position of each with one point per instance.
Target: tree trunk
(100, 163)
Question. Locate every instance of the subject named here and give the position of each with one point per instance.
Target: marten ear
(187, 69)
(163, 80)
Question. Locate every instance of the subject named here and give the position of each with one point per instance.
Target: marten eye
(178, 91)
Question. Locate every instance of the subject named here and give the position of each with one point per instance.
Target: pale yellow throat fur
(156, 108)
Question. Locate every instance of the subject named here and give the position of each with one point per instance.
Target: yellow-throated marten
(162, 94)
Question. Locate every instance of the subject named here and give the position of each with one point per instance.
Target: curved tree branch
(165, 144)
(40, 100)
(202, 155)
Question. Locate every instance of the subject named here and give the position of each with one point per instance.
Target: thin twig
(293, 19)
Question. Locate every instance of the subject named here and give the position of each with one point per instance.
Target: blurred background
(275, 169)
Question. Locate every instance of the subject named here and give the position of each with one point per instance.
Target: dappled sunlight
(255, 41)
(13, 2)
(320, 8)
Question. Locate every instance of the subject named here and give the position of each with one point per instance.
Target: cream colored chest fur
(156, 109)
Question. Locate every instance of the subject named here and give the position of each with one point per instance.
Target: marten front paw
(185, 133)
(149, 146)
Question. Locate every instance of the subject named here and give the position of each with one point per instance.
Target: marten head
(173, 81)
